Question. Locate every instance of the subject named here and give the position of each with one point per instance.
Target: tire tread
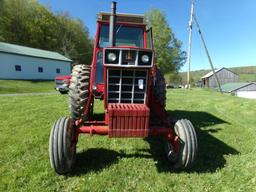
(188, 144)
(79, 90)
(58, 146)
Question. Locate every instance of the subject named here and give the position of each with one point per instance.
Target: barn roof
(230, 87)
(31, 52)
(216, 71)
(211, 73)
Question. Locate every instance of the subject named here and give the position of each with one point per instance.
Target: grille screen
(126, 86)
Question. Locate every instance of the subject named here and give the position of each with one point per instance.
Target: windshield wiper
(119, 29)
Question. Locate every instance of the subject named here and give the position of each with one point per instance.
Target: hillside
(246, 74)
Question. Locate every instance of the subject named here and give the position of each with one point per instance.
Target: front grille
(126, 86)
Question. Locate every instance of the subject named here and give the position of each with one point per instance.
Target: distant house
(224, 75)
(246, 90)
(19, 62)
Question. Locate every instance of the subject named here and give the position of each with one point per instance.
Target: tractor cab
(129, 34)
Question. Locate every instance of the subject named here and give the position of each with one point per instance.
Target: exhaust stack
(112, 23)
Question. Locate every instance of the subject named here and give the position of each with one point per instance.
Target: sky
(228, 26)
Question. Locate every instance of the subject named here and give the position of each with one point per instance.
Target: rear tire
(159, 91)
(79, 90)
(160, 88)
(186, 155)
(62, 149)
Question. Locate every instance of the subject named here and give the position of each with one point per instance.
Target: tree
(174, 78)
(28, 23)
(170, 57)
(75, 42)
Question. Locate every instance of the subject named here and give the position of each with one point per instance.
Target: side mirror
(150, 41)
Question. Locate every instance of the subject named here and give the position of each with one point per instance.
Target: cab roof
(123, 17)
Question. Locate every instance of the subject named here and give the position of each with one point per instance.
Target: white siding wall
(246, 94)
(248, 91)
(29, 67)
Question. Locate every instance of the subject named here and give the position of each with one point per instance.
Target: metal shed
(20, 62)
(224, 75)
(246, 90)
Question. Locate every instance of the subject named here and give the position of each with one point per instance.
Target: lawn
(19, 86)
(247, 78)
(225, 126)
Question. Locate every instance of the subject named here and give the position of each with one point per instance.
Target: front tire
(185, 156)
(62, 149)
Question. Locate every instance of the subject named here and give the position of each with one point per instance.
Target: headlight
(111, 57)
(94, 88)
(145, 58)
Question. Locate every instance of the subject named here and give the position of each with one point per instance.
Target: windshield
(129, 36)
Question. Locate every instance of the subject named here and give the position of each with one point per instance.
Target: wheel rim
(172, 148)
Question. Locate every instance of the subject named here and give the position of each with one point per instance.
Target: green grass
(19, 86)
(225, 126)
(247, 77)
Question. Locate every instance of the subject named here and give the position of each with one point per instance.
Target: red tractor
(124, 75)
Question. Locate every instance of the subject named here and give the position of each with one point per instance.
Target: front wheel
(62, 148)
(182, 150)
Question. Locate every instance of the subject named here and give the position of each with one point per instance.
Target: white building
(19, 62)
(246, 90)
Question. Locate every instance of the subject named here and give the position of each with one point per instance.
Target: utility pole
(207, 52)
(190, 43)
(193, 16)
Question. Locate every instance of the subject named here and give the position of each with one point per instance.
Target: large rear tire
(62, 149)
(185, 157)
(159, 91)
(160, 88)
(79, 90)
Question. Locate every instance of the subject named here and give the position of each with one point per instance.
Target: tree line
(28, 23)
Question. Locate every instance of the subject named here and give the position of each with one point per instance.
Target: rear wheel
(160, 88)
(159, 91)
(182, 151)
(79, 90)
(62, 149)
